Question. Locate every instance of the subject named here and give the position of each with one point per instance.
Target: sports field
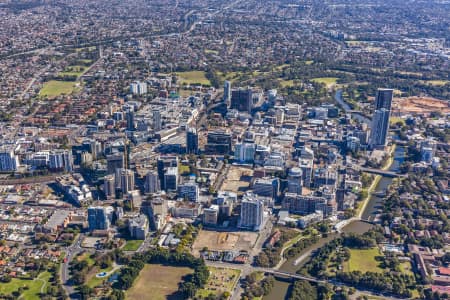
(363, 260)
(193, 77)
(54, 88)
(157, 282)
(328, 81)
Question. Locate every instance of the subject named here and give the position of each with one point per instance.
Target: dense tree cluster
(271, 255)
(257, 288)
(300, 246)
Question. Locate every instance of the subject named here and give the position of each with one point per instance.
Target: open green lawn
(220, 280)
(406, 268)
(93, 280)
(193, 77)
(309, 62)
(87, 257)
(287, 83)
(363, 260)
(394, 120)
(34, 286)
(328, 81)
(73, 71)
(157, 282)
(132, 245)
(54, 88)
(183, 169)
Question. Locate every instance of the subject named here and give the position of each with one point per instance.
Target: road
(71, 252)
(247, 269)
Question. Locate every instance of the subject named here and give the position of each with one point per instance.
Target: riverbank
(362, 207)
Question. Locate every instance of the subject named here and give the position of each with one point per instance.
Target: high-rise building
(109, 187)
(61, 160)
(191, 141)
(245, 152)
(157, 124)
(138, 227)
(380, 119)
(163, 163)
(306, 165)
(427, 150)
(295, 181)
(252, 213)
(227, 91)
(115, 161)
(210, 215)
(130, 120)
(266, 187)
(218, 142)
(126, 180)
(242, 100)
(304, 204)
(9, 161)
(384, 99)
(189, 191)
(138, 88)
(171, 179)
(98, 218)
(152, 184)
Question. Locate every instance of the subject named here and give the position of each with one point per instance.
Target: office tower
(61, 160)
(130, 120)
(299, 204)
(152, 184)
(266, 187)
(227, 91)
(191, 141)
(171, 179)
(380, 118)
(162, 164)
(109, 186)
(245, 152)
(242, 100)
(295, 181)
(115, 161)
(252, 213)
(218, 142)
(9, 161)
(189, 191)
(126, 180)
(157, 125)
(98, 218)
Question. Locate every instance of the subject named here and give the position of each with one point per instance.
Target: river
(281, 288)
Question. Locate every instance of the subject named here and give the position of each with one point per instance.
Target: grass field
(328, 81)
(158, 283)
(287, 83)
(87, 257)
(394, 120)
(132, 245)
(73, 71)
(55, 88)
(183, 169)
(363, 260)
(193, 77)
(220, 280)
(93, 281)
(34, 286)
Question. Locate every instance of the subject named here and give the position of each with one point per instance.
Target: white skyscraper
(252, 213)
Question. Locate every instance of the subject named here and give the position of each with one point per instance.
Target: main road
(247, 269)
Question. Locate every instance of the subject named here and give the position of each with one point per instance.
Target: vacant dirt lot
(222, 241)
(420, 105)
(237, 179)
(157, 282)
